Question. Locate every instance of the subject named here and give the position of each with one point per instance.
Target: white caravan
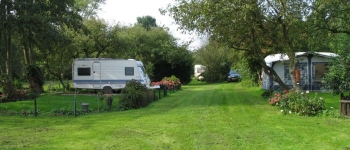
(198, 70)
(106, 73)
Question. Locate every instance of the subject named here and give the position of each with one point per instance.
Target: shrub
(18, 84)
(277, 97)
(169, 82)
(35, 77)
(134, 95)
(7, 86)
(300, 103)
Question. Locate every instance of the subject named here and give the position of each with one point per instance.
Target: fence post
(164, 90)
(35, 108)
(75, 103)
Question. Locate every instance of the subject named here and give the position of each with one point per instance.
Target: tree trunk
(27, 52)
(273, 75)
(8, 55)
(8, 41)
(292, 63)
(59, 77)
(2, 39)
(64, 86)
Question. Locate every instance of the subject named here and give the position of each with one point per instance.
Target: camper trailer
(106, 73)
(198, 70)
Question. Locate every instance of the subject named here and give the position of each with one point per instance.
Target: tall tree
(147, 22)
(158, 50)
(56, 56)
(216, 59)
(88, 8)
(332, 15)
(258, 27)
(28, 22)
(6, 30)
(95, 39)
(338, 78)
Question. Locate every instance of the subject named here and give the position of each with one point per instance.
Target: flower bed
(300, 103)
(169, 83)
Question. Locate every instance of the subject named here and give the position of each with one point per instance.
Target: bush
(169, 82)
(278, 97)
(134, 95)
(7, 86)
(18, 84)
(300, 103)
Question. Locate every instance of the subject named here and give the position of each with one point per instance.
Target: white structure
(198, 69)
(107, 74)
(312, 66)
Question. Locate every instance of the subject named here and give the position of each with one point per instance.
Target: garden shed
(312, 66)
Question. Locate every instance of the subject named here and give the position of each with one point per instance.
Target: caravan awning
(283, 57)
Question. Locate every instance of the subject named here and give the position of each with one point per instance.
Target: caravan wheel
(107, 90)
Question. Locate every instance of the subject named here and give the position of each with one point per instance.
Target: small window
(129, 71)
(84, 71)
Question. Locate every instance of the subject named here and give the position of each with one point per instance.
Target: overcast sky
(125, 12)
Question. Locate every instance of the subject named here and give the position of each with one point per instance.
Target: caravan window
(84, 71)
(129, 71)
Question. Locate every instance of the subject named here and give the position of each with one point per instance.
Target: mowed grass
(201, 116)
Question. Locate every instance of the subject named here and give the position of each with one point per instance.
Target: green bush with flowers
(169, 82)
(300, 103)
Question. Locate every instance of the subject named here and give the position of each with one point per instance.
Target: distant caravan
(107, 74)
(198, 70)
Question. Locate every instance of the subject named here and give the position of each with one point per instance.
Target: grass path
(206, 116)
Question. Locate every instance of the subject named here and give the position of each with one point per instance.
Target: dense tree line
(42, 39)
(258, 28)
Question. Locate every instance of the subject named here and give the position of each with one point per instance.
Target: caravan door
(96, 74)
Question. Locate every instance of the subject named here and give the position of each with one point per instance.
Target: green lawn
(201, 116)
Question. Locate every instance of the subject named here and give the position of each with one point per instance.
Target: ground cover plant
(201, 116)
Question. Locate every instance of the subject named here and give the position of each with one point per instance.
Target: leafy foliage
(248, 68)
(134, 95)
(332, 15)
(338, 77)
(35, 77)
(215, 57)
(158, 50)
(147, 22)
(88, 7)
(13, 91)
(7, 86)
(300, 103)
(256, 27)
